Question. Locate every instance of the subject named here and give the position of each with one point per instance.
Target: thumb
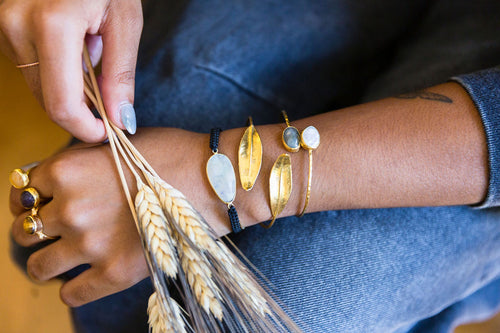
(121, 32)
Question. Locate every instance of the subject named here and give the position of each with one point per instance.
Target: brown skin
(389, 153)
(52, 32)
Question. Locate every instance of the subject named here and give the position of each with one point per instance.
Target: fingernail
(127, 113)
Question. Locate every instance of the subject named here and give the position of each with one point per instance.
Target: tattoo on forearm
(425, 95)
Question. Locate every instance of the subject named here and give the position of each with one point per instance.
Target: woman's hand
(88, 211)
(53, 32)
(85, 207)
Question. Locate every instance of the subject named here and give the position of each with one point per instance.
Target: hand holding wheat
(218, 292)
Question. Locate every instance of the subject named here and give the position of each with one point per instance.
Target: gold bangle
(249, 156)
(280, 187)
(309, 140)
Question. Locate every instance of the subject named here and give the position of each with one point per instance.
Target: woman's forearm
(395, 152)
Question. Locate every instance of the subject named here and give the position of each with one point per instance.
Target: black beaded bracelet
(222, 178)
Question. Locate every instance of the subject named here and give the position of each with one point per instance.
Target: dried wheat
(153, 222)
(157, 321)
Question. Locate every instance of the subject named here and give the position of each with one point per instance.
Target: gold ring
(32, 225)
(19, 177)
(36, 63)
(30, 198)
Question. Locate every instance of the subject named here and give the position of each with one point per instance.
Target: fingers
(53, 260)
(59, 48)
(102, 280)
(51, 226)
(119, 61)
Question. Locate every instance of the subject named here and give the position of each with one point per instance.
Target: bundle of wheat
(219, 293)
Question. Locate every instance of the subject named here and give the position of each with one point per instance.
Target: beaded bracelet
(220, 173)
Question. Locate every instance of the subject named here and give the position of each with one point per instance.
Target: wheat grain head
(160, 323)
(159, 235)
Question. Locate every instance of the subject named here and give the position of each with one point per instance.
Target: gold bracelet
(280, 187)
(249, 156)
(309, 139)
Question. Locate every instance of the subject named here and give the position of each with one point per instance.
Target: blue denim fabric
(212, 63)
(484, 89)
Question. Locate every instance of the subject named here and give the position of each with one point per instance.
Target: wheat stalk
(153, 222)
(199, 277)
(192, 224)
(178, 243)
(160, 323)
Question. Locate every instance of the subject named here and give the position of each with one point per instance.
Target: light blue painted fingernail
(127, 113)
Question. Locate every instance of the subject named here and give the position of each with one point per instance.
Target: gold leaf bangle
(280, 187)
(249, 156)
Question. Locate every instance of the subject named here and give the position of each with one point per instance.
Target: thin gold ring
(36, 63)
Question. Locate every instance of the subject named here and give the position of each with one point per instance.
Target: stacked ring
(30, 198)
(32, 225)
(19, 178)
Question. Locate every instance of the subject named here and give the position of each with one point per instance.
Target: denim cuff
(484, 89)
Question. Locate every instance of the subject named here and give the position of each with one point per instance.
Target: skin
(396, 152)
(53, 33)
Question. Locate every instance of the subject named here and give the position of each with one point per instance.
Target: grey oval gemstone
(291, 138)
(221, 176)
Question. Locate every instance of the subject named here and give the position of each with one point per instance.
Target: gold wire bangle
(309, 140)
(309, 179)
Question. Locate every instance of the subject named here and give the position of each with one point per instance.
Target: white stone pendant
(222, 178)
(309, 139)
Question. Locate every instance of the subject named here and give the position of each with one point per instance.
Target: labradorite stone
(291, 137)
(221, 176)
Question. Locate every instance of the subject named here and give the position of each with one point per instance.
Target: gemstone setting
(310, 139)
(220, 173)
(30, 198)
(291, 139)
(18, 178)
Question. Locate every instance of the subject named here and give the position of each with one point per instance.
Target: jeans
(213, 63)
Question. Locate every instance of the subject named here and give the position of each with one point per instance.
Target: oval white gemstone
(291, 137)
(221, 176)
(310, 137)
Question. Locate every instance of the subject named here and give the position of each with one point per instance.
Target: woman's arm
(390, 153)
(396, 152)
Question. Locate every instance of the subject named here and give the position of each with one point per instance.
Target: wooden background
(27, 135)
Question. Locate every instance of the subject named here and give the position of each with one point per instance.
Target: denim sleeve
(484, 89)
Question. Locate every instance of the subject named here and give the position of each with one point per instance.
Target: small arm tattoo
(425, 95)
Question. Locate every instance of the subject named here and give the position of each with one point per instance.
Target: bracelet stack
(222, 178)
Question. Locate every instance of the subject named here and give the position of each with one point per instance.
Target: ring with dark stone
(30, 198)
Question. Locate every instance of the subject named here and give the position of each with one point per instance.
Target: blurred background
(27, 135)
